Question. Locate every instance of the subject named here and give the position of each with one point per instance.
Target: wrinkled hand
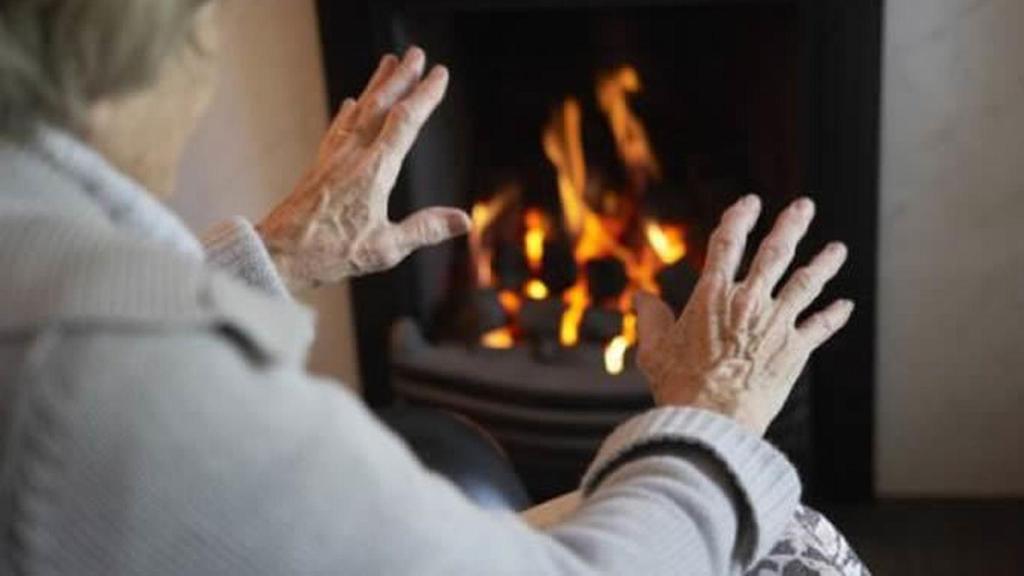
(736, 349)
(335, 224)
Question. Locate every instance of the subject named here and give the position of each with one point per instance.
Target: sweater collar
(124, 201)
(83, 245)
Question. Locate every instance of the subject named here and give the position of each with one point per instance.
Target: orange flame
(615, 355)
(613, 92)
(576, 299)
(644, 248)
(563, 144)
(483, 215)
(533, 240)
(615, 352)
(667, 241)
(536, 290)
(510, 302)
(499, 339)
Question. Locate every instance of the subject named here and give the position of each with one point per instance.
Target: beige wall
(260, 133)
(951, 370)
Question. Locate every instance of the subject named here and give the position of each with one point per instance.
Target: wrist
(729, 406)
(288, 267)
(733, 411)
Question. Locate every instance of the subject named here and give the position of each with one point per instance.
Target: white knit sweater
(155, 419)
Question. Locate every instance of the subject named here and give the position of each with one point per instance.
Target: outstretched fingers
(820, 327)
(345, 120)
(777, 251)
(388, 64)
(375, 104)
(725, 252)
(807, 283)
(407, 117)
(729, 240)
(772, 260)
(339, 128)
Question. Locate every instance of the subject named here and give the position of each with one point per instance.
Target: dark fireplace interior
(595, 147)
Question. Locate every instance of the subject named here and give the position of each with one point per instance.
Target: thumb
(431, 226)
(654, 319)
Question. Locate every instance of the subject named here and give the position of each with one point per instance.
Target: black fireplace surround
(827, 133)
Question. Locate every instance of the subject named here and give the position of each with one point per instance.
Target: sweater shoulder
(62, 274)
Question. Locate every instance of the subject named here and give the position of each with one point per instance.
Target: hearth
(595, 147)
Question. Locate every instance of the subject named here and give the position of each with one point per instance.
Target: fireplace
(596, 145)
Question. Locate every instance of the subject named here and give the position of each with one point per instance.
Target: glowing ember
(536, 290)
(500, 339)
(667, 242)
(615, 355)
(576, 299)
(615, 352)
(608, 225)
(629, 328)
(510, 302)
(533, 239)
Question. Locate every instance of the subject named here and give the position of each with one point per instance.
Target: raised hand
(335, 224)
(737, 349)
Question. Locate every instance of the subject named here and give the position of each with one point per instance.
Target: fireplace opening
(596, 148)
(608, 162)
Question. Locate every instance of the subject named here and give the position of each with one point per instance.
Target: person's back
(156, 419)
(117, 360)
(155, 414)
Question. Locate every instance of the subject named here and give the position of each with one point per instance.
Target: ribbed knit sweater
(156, 418)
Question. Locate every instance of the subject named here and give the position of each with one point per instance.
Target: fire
(533, 239)
(667, 241)
(615, 352)
(615, 355)
(510, 302)
(576, 299)
(613, 92)
(536, 290)
(500, 339)
(608, 225)
(563, 144)
(483, 215)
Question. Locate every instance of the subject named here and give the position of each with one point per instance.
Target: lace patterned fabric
(810, 546)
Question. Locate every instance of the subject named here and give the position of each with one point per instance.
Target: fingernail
(804, 205)
(837, 248)
(750, 200)
(849, 305)
(460, 224)
(438, 72)
(414, 53)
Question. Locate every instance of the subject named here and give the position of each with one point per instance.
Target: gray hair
(57, 57)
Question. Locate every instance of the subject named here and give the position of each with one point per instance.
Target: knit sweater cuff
(767, 482)
(234, 247)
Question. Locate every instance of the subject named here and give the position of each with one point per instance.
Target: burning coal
(616, 249)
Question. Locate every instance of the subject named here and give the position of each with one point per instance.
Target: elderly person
(155, 416)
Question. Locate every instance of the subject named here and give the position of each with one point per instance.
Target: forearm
(754, 479)
(671, 488)
(298, 477)
(674, 491)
